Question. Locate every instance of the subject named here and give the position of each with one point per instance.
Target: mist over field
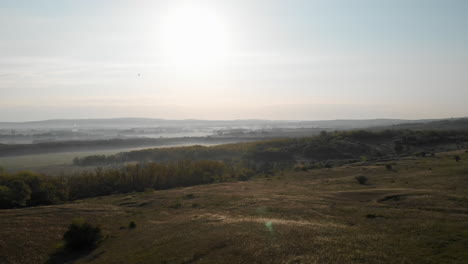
(222, 131)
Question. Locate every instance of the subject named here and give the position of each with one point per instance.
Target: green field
(415, 213)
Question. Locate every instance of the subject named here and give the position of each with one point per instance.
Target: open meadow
(414, 212)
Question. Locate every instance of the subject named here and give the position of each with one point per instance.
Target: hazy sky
(272, 59)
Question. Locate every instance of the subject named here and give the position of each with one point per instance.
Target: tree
(82, 236)
(5, 197)
(362, 180)
(19, 193)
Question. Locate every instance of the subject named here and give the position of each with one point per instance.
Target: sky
(238, 59)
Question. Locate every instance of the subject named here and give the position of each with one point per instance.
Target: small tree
(17, 194)
(362, 180)
(82, 236)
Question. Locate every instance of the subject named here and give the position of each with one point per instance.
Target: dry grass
(417, 213)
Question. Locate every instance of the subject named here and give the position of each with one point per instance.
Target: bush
(389, 167)
(131, 225)
(457, 158)
(82, 236)
(362, 180)
(245, 174)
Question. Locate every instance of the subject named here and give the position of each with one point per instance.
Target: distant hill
(361, 123)
(446, 124)
(123, 123)
(128, 123)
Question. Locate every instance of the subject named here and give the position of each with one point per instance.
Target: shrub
(457, 158)
(131, 225)
(362, 180)
(82, 236)
(245, 174)
(389, 167)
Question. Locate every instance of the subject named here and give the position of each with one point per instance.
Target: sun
(194, 36)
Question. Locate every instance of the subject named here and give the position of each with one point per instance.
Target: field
(55, 163)
(42, 161)
(415, 213)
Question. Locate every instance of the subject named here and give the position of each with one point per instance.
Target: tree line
(327, 146)
(138, 171)
(31, 189)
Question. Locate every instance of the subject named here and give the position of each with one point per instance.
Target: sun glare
(194, 36)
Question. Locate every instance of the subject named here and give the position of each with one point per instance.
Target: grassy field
(54, 163)
(33, 162)
(415, 213)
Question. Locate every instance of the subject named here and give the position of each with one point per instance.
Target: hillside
(446, 124)
(416, 212)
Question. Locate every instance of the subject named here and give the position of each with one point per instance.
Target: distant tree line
(342, 145)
